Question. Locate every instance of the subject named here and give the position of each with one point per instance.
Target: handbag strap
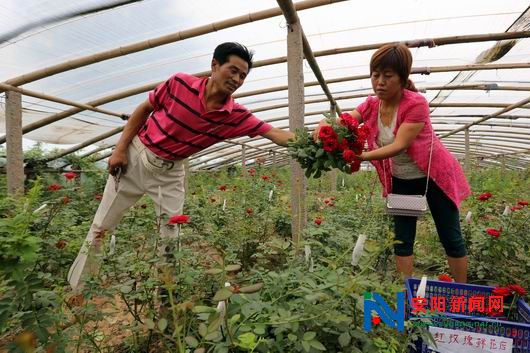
(430, 156)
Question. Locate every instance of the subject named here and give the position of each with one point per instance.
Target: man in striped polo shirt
(182, 116)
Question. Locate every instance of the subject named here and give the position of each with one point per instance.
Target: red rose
(493, 232)
(355, 166)
(330, 145)
(349, 121)
(318, 221)
(516, 208)
(327, 132)
(485, 196)
(517, 289)
(445, 278)
(60, 244)
(357, 146)
(98, 197)
(222, 187)
(265, 177)
(326, 201)
(180, 219)
(251, 171)
(70, 175)
(349, 156)
(523, 203)
(66, 200)
(502, 291)
(344, 145)
(362, 133)
(54, 187)
(250, 211)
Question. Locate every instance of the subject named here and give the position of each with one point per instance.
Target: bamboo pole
(230, 161)
(158, 41)
(27, 92)
(479, 147)
(229, 152)
(144, 88)
(85, 144)
(494, 115)
(99, 149)
(319, 112)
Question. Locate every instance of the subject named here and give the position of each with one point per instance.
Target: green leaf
(292, 338)
(199, 309)
(126, 289)
(317, 345)
(191, 341)
(234, 319)
(233, 268)
(344, 339)
(251, 289)
(306, 346)
(222, 294)
(309, 335)
(259, 330)
(213, 271)
(320, 153)
(150, 324)
(162, 325)
(215, 324)
(203, 329)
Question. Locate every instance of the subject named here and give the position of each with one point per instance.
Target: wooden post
(296, 120)
(467, 153)
(273, 158)
(15, 154)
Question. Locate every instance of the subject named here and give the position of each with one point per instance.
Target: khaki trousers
(146, 174)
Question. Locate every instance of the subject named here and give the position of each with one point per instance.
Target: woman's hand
(317, 129)
(363, 156)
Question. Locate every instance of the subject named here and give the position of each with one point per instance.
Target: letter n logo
(377, 304)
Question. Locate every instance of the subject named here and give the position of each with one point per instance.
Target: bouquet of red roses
(337, 146)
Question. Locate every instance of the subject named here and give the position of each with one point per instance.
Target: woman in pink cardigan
(399, 143)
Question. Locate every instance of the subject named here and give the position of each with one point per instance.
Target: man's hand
(118, 160)
(279, 136)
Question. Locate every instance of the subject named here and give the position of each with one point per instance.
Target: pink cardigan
(446, 171)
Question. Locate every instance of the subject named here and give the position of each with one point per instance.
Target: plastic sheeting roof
(34, 35)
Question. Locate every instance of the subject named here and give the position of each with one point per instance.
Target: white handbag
(409, 205)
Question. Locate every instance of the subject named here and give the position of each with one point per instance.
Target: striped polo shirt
(180, 126)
